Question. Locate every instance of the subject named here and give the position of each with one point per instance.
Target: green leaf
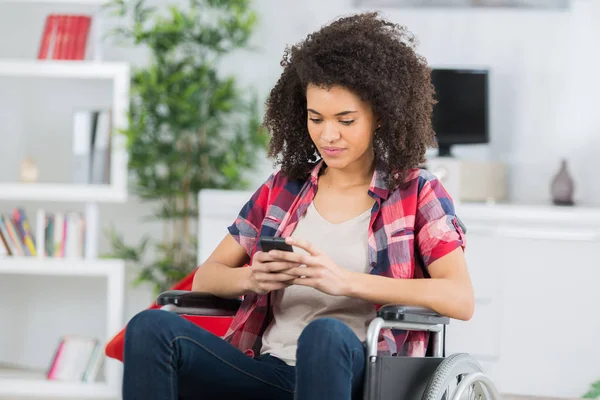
(594, 392)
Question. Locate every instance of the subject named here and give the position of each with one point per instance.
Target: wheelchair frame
(423, 378)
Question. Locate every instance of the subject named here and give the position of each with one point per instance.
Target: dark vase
(562, 186)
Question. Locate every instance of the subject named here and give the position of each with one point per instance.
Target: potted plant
(190, 128)
(594, 392)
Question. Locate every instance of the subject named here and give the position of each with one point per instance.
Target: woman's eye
(347, 122)
(315, 120)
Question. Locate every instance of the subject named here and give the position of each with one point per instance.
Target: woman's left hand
(319, 272)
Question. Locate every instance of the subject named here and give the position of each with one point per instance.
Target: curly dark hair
(376, 60)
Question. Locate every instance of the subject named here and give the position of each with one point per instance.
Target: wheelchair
(433, 377)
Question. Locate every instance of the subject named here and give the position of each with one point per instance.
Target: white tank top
(294, 307)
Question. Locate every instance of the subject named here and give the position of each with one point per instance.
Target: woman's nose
(330, 132)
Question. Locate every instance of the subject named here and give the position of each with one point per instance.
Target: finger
(273, 277)
(295, 258)
(275, 286)
(303, 244)
(289, 256)
(277, 266)
(263, 257)
(311, 282)
(258, 266)
(304, 271)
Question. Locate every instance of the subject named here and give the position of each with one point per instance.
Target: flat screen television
(461, 114)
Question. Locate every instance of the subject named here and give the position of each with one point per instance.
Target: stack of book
(91, 146)
(76, 359)
(59, 234)
(65, 37)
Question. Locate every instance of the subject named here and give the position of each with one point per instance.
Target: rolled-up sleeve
(437, 228)
(246, 227)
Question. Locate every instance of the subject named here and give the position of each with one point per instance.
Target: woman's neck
(352, 176)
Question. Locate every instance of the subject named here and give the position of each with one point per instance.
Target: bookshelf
(117, 71)
(109, 268)
(25, 383)
(17, 384)
(54, 2)
(108, 275)
(33, 386)
(62, 193)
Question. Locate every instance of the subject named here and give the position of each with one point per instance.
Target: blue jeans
(169, 358)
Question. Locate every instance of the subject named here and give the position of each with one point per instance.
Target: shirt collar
(378, 186)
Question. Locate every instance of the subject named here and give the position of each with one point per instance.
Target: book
(64, 37)
(6, 241)
(84, 125)
(11, 233)
(100, 153)
(24, 228)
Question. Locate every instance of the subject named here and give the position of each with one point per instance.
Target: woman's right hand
(268, 274)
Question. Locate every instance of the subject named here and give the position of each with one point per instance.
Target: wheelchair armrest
(418, 315)
(197, 303)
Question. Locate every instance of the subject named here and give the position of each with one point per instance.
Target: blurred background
(115, 116)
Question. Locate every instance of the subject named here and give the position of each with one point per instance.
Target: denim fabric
(169, 358)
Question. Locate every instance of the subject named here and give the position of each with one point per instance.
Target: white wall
(543, 86)
(543, 100)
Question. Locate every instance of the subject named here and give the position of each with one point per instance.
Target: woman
(350, 119)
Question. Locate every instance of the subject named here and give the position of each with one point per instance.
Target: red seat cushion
(216, 325)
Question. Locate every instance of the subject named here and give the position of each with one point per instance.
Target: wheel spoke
(458, 377)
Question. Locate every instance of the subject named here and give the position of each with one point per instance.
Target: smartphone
(269, 243)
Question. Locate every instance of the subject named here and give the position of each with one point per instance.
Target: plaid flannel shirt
(410, 228)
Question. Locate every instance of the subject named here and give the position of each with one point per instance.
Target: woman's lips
(332, 151)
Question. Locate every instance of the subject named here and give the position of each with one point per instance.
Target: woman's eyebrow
(337, 115)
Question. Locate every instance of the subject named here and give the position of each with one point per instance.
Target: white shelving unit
(62, 192)
(94, 7)
(28, 387)
(109, 268)
(17, 384)
(118, 73)
(14, 384)
(82, 2)
(65, 69)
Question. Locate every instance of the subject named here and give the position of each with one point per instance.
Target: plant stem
(186, 192)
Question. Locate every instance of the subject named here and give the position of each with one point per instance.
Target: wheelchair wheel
(460, 377)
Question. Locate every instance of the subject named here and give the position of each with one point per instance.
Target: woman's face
(341, 126)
